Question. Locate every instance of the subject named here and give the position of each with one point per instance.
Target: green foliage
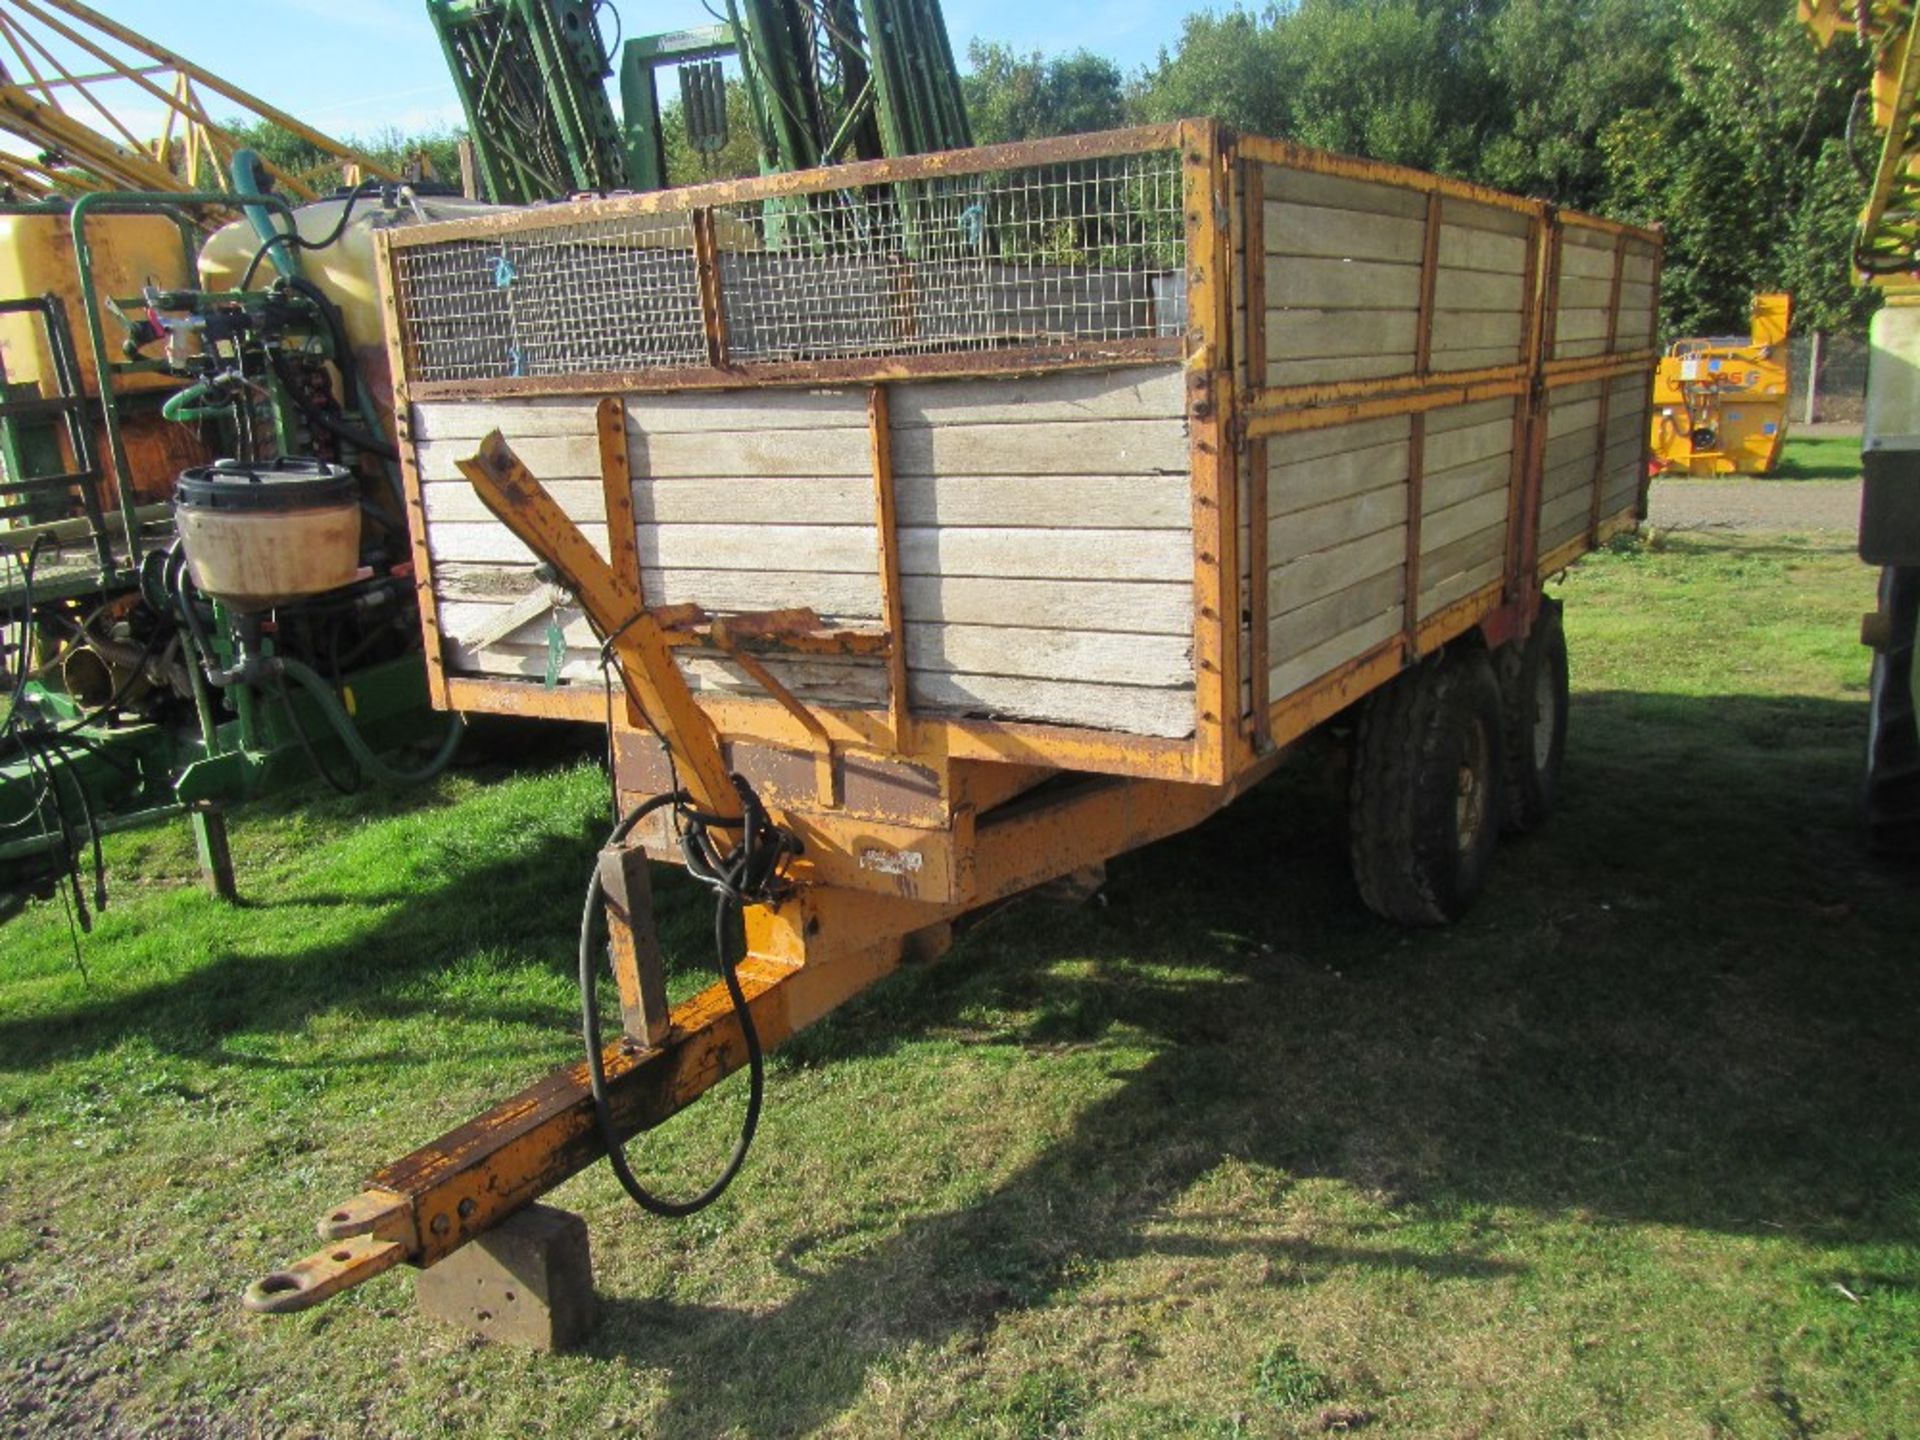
(390, 146)
(1715, 118)
(1286, 1381)
(1026, 97)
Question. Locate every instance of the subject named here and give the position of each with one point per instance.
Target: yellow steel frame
(1887, 241)
(79, 114)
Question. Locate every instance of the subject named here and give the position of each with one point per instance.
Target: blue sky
(354, 66)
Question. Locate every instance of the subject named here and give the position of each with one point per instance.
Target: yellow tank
(36, 258)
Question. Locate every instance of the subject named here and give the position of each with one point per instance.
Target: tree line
(1716, 119)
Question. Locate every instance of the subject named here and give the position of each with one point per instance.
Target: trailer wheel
(1533, 696)
(1425, 799)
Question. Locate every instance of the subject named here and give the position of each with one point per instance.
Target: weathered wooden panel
(1120, 607)
(1303, 669)
(1117, 607)
(1296, 229)
(1311, 576)
(1477, 290)
(1080, 554)
(1308, 334)
(1477, 330)
(1585, 254)
(1302, 445)
(1578, 325)
(1442, 488)
(1305, 531)
(682, 413)
(1044, 536)
(1447, 448)
(1112, 659)
(1152, 393)
(1447, 582)
(1585, 293)
(1572, 504)
(1061, 502)
(1305, 628)
(1445, 361)
(1575, 443)
(1472, 248)
(1087, 447)
(1336, 546)
(1440, 528)
(1321, 372)
(1308, 188)
(1299, 484)
(1321, 284)
(1136, 710)
(494, 543)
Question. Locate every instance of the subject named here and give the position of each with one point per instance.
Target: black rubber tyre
(1533, 700)
(1424, 799)
(1893, 730)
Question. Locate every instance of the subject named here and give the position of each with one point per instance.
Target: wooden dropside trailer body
(1101, 469)
(1144, 413)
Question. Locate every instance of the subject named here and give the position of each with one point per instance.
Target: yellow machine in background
(1720, 407)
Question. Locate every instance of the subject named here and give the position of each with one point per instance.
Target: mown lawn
(1835, 457)
(1634, 1151)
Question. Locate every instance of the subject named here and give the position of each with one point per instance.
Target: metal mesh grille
(1067, 254)
(598, 295)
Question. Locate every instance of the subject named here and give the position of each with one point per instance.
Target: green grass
(1804, 458)
(1632, 1151)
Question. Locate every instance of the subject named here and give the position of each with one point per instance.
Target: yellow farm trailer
(930, 529)
(1720, 405)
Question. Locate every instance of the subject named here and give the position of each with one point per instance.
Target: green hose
(371, 764)
(181, 404)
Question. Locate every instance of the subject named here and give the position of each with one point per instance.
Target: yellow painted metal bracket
(617, 610)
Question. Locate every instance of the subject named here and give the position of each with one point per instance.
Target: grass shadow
(1694, 1022)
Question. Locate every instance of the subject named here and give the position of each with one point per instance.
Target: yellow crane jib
(1886, 247)
(1720, 405)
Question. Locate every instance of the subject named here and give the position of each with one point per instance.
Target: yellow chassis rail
(805, 955)
(1887, 242)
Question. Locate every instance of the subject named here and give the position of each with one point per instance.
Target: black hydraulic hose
(339, 429)
(295, 239)
(336, 335)
(726, 904)
(178, 584)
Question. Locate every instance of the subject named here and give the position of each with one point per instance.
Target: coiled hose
(747, 873)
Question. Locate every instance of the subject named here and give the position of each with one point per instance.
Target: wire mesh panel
(602, 295)
(1088, 250)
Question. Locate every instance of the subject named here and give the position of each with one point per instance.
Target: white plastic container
(258, 536)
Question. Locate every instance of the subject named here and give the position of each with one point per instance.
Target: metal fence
(1838, 389)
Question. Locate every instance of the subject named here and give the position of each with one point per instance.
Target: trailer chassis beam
(812, 953)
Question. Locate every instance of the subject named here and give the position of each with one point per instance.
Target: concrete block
(528, 1282)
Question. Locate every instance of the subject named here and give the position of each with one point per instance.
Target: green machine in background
(825, 81)
(128, 691)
